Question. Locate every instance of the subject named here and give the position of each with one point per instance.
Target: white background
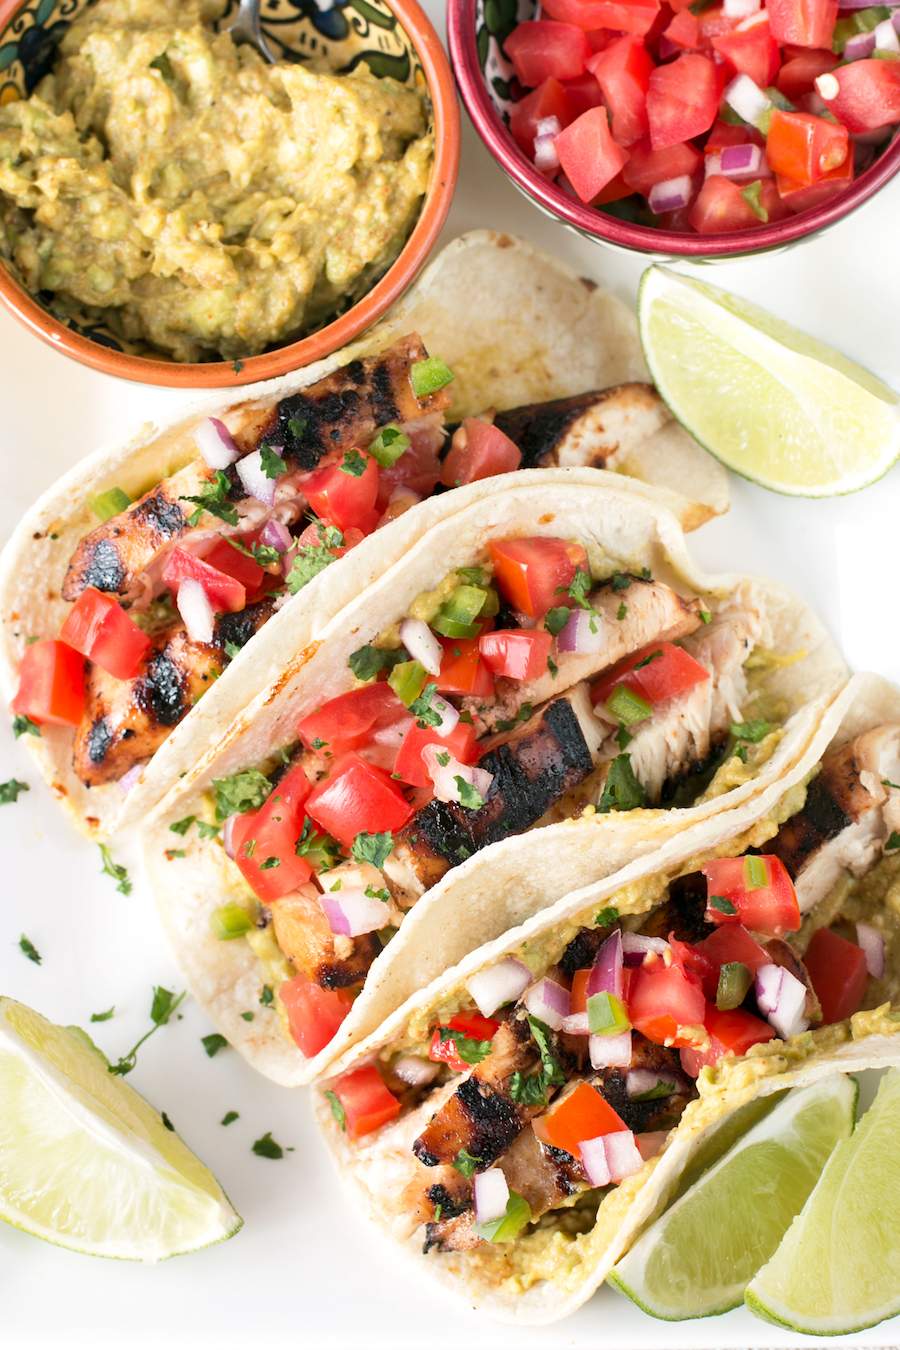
(305, 1270)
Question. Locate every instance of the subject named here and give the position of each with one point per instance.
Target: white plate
(305, 1271)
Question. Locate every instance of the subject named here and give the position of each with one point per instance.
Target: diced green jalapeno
(230, 921)
(456, 617)
(408, 680)
(389, 445)
(508, 1227)
(429, 376)
(108, 504)
(606, 1015)
(628, 707)
(757, 873)
(734, 980)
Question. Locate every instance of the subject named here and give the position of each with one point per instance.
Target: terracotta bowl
(476, 31)
(392, 36)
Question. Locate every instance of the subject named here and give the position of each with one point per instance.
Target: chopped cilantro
(163, 1005)
(213, 497)
(353, 464)
(552, 667)
(720, 903)
(115, 870)
(311, 559)
(213, 1043)
(164, 66)
(270, 461)
(893, 841)
(297, 426)
(389, 445)
(605, 918)
(23, 726)
(621, 791)
(653, 656)
(531, 1089)
(372, 848)
(229, 1117)
(27, 947)
(337, 1108)
(469, 796)
(267, 996)
(9, 791)
(263, 554)
(421, 708)
(556, 619)
(507, 724)
(248, 1016)
(705, 616)
(621, 611)
(623, 736)
(382, 893)
(751, 731)
(469, 1050)
(580, 587)
(104, 1016)
(266, 1147)
(443, 758)
(620, 581)
(240, 792)
(465, 1163)
(751, 195)
(367, 662)
(269, 864)
(182, 826)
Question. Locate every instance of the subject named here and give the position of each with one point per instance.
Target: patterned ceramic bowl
(477, 30)
(393, 37)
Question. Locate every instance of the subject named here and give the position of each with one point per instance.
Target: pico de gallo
(555, 1072)
(522, 689)
(695, 116)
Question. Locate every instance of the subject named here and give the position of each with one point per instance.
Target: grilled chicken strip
(338, 413)
(594, 429)
(850, 808)
(533, 767)
(658, 1113)
(303, 933)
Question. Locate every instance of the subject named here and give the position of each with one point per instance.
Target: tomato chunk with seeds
(516, 653)
(409, 764)
(346, 722)
(579, 1115)
(479, 450)
(838, 972)
(589, 155)
(755, 891)
(264, 840)
(730, 1033)
(368, 1103)
(51, 684)
(314, 1014)
(357, 798)
(682, 100)
(665, 1004)
(541, 49)
(344, 494)
(751, 49)
(657, 673)
(863, 95)
(804, 147)
(533, 574)
(805, 196)
(225, 557)
(462, 669)
(99, 628)
(799, 73)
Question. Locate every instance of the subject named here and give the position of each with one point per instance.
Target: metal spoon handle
(246, 27)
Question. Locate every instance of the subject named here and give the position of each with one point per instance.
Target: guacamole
(189, 197)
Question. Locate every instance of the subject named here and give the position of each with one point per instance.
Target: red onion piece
(128, 780)
(415, 1070)
(886, 39)
(583, 633)
(865, 4)
(448, 714)
(872, 943)
(548, 1001)
(623, 1156)
(276, 536)
(738, 162)
(670, 195)
(491, 1194)
(593, 1160)
(227, 836)
(610, 1052)
(895, 18)
(352, 913)
(444, 775)
(859, 46)
(215, 443)
(576, 1024)
(548, 126)
(640, 1081)
(782, 1000)
(740, 9)
(546, 158)
(606, 972)
(257, 483)
(747, 99)
(423, 647)
(499, 984)
(194, 607)
(635, 947)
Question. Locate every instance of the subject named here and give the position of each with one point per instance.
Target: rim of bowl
(338, 333)
(608, 229)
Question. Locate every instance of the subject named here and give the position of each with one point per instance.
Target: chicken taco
(519, 1121)
(539, 659)
(189, 563)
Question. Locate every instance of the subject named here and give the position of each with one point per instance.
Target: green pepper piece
(108, 504)
(230, 921)
(628, 707)
(408, 680)
(606, 1015)
(508, 1227)
(429, 376)
(734, 980)
(389, 445)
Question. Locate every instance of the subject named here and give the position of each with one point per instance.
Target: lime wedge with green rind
(781, 408)
(837, 1269)
(698, 1257)
(85, 1162)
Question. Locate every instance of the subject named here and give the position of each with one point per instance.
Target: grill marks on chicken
(592, 430)
(305, 937)
(659, 1113)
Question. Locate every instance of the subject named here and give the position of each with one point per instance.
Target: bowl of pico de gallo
(694, 128)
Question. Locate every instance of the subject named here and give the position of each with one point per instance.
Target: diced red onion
(640, 1081)
(859, 46)
(747, 99)
(670, 195)
(351, 913)
(886, 39)
(576, 1024)
(499, 984)
(422, 646)
(593, 1160)
(128, 780)
(610, 1052)
(276, 536)
(738, 162)
(651, 1143)
(635, 947)
(623, 1156)
(491, 1193)
(549, 1001)
(872, 943)
(782, 999)
(548, 126)
(583, 633)
(215, 443)
(415, 1070)
(227, 836)
(444, 775)
(606, 972)
(740, 9)
(546, 157)
(257, 483)
(194, 607)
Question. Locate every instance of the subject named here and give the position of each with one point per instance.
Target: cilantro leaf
(311, 559)
(751, 731)
(353, 464)
(9, 791)
(421, 708)
(164, 1004)
(556, 619)
(605, 918)
(267, 996)
(266, 1147)
(621, 791)
(367, 662)
(372, 848)
(115, 870)
(720, 903)
(469, 1050)
(23, 726)
(240, 792)
(27, 947)
(469, 796)
(229, 1117)
(465, 1162)
(270, 461)
(213, 498)
(580, 588)
(182, 826)
(213, 1043)
(337, 1108)
(104, 1016)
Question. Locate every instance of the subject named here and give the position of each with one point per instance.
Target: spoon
(245, 27)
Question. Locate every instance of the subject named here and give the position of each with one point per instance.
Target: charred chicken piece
(593, 430)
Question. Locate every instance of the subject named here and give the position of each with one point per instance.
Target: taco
(538, 659)
(190, 562)
(519, 1121)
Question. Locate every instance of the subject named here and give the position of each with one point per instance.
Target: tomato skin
(550, 99)
(542, 48)
(805, 23)
(623, 73)
(804, 147)
(684, 31)
(730, 1033)
(647, 166)
(472, 1025)
(771, 909)
(839, 975)
(368, 1104)
(585, 14)
(804, 196)
(516, 653)
(589, 156)
(868, 94)
(224, 593)
(344, 499)
(99, 628)
(663, 1001)
(314, 1014)
(275, 826)
(225, 558)
(356, 798)
(51, 684)
(462, 669)
(668, 675)
(582, 1114)
(346, 722)
(629, 16)
(482, 451)
(682, 100)
(798, 74)
(532, 573)
(409, 764)
(751, 50)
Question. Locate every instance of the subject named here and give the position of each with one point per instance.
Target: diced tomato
(766, 903)
(471, 1025)
(579, 1115)
(409, 764)
(314, 1014)
(224, 557)
(721, 205)
(664, 1002)
(357, 798)
(271, 832)
(838, 972)
(803, 147)
(627, 16)
(805, 23)
(533, 574)
(730, 1033)
(614, 191)
(578, 995)
(799, 74)
(713, 23)
(342, 498)
(418, 469)
(99, 628)
(541, 49)
(582, 94)
(346, 722)
(51, 684)
(623, 73)
(367, 1103)
(751, 49)
(224, 593)
(585, 14)
(516, 653)
(682, 100)
(479, 450)
(657, 673)
(647, 166)
(868, 94)
(550, 99)
(589, 156)
(684, 30)
(462, 669)
(724, 134)
(729, 943)
(805, 196)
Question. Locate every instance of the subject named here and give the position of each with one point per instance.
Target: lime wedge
(838, 1267)
(699, 1256)
(784, 410)
(87, 1163)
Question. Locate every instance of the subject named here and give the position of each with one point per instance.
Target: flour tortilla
(515, 879)
(536, 332)
(373, 1172)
